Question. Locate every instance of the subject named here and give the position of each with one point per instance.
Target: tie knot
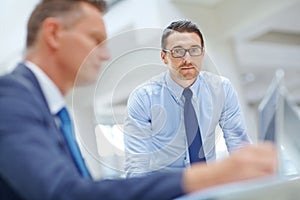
(64, 115)
(187, 93)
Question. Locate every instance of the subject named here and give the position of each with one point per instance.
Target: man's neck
(183, 82)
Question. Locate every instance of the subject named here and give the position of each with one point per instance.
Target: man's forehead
(183, 39)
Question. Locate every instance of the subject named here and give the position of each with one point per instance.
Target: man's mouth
(187, 67)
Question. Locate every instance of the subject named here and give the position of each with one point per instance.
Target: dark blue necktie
(192, 129)
(67, 129)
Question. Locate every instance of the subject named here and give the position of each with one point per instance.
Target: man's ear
(203, 51)
(163, 57)
(51, 32)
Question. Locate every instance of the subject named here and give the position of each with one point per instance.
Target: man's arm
(232, 120)
(137, 135)
(251, 161)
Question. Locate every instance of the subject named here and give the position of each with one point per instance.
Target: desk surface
(270, 188)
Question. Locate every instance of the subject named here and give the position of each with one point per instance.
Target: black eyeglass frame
(185, 50)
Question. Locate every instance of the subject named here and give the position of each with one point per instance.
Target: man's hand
(251, 161)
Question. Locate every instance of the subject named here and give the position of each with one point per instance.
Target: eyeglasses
(179, 52)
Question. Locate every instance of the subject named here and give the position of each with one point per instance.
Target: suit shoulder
(18, 101)
(10, 85)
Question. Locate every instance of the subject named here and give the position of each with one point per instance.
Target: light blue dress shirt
(154, 132)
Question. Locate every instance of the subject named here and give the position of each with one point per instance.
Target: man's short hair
(180, 26)
(55, 8)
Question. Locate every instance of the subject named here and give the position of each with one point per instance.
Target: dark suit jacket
(34, 159)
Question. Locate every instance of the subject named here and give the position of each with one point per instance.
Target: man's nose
(103, 52)
(187, 56)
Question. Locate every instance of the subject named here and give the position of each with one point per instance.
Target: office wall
(13, 18)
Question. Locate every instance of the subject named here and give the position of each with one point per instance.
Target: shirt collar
(177, 90)
(54, 98)
(196, 85)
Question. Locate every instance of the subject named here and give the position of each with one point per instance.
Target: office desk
(265, 189)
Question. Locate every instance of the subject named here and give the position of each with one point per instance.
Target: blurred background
(246, 41)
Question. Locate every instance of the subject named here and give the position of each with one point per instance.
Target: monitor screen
(279, 122)
(268, 109)
(289, 139)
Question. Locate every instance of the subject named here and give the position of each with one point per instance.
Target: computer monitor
(268, 109)
(289, 138)
(279, 122)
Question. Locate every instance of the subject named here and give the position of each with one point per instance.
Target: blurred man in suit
(37, 156)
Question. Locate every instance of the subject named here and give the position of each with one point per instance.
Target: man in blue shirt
(155, 129)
